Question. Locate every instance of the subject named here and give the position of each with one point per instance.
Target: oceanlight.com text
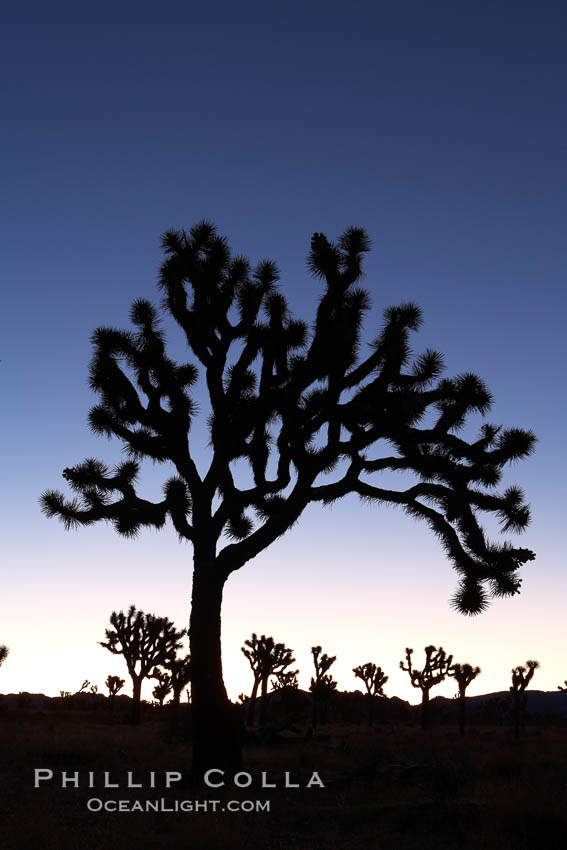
(95, 804)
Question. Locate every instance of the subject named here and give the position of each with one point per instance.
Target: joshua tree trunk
(370, 702)
(252, 703)
(174, 722)
(263, 700)
(517, 711)
(461, 712)
(136, 700)
(425, 708)
(216, 733)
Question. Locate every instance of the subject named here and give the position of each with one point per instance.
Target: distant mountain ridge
(540, 705)
(545, 703)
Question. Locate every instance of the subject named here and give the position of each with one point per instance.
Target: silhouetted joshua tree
(145, 641)
(520, 681)
(266, 659)
(562, 687)
(374, 680)
(163, 687)
(322, 685)
(435, 669)
(180, 672)
(286, 681)
(4, 652)
(114, 684)
(286, 685)
(294, 401)
(464, 674)
(252, 650)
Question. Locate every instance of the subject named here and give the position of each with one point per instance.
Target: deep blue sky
(440, 127)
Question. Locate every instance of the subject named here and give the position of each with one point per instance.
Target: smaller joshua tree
(286, 681)
(163, 687)
(322, 684)
(521, 677)
(146, 642)
(275, 661)
(114, 684)
(180, 672)
(435, 669)
(562, 687)
(252, 651)
(374, 680)
(463, 675)
(4, 652)
(266, 658)
(286, 685)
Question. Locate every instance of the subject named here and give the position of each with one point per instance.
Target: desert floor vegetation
(389, 786)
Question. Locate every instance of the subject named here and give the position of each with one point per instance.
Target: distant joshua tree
(463, 675)
(114, 684)
(322, 685)
(286, 681)
(266, 658)
(146, 642)
(180, 672)
(520, 681)
(562, 687)
(163, 687)
(374, 680)
(435, 669)
(4, 652)
(252, 650)
(287, 686)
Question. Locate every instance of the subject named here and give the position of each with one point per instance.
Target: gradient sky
(438, 126)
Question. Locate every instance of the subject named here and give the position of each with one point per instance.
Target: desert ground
(390, 786)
